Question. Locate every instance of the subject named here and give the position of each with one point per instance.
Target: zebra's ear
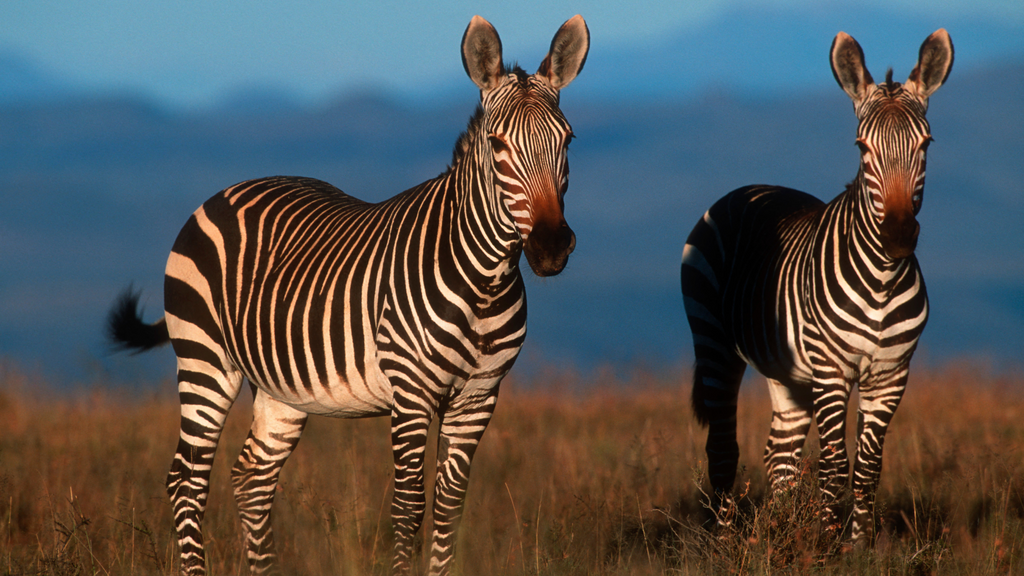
(568, 53)
(934, 62)
(849, 69)
(481, 54)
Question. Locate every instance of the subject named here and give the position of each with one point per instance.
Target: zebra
(412, 308)
(818, 297)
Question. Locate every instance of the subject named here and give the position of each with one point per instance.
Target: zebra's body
(296, 237)
(820, 298)
(414, 307)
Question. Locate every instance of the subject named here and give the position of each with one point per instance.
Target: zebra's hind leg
(276, 428)
(462, 426)
(206, 396)
(792, 407)
(878, 404)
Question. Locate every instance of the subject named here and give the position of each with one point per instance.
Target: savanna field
(577, 474)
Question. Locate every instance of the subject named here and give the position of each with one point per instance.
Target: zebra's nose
(571, 245)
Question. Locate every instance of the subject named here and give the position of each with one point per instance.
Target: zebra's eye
(498, 142)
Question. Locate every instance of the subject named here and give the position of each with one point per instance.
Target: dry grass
(577, 474)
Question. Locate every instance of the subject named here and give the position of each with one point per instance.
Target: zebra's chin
(547, 249)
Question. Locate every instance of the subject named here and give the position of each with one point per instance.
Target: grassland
(577, 474)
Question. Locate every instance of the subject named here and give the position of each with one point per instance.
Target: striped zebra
(414, 307)
(818, 297)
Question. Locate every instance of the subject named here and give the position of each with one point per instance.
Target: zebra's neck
(482, 221)
(855, 209)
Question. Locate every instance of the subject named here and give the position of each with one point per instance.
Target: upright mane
(891, 88)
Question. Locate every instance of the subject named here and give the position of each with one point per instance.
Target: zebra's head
(528, 136)
(893, 134)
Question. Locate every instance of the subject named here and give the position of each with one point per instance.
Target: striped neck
(857, 208)
(482, 221)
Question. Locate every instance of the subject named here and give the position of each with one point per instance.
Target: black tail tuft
(700, 409)
(127, 331)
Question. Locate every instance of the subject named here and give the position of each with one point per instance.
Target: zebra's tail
(700, 408)
(127, 331)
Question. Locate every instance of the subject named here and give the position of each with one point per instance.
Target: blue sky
(190, 53)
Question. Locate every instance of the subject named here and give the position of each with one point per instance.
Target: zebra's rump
(743, 235)
(731, 264)
(762, 219)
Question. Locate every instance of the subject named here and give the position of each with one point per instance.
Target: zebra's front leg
(462, 426)
(791, 420)
(410, 423)
(204, 409)
(878, 403)
(830, 406)
(275, 431)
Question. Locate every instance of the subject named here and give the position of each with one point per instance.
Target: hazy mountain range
(94, 187)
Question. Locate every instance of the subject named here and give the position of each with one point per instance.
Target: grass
(577, 474)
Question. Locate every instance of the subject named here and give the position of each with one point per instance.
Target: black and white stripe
(413, 308)
(818, 297)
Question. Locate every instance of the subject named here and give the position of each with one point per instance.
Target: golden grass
(577, 474)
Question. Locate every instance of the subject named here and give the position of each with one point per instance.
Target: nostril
(568, 236)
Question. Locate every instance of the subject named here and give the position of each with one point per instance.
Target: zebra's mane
(889, 86)
(465, 142)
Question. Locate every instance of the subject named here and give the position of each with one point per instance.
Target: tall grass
(577, 474)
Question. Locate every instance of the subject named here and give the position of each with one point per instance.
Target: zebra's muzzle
(548, 247)
(899, 235)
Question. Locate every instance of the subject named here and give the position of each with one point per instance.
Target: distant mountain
(94, 189)
(22, 80)
(258, 100)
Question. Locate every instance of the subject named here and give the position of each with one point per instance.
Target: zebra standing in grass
(818, 297)
(413, 307)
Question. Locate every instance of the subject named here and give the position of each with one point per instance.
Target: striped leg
(206, 396)
(462, 426)
(877, 407)
(275, 432)
(791, 421)
(830, 405)
(410, 423)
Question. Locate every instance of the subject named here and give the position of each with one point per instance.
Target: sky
(191, 53)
